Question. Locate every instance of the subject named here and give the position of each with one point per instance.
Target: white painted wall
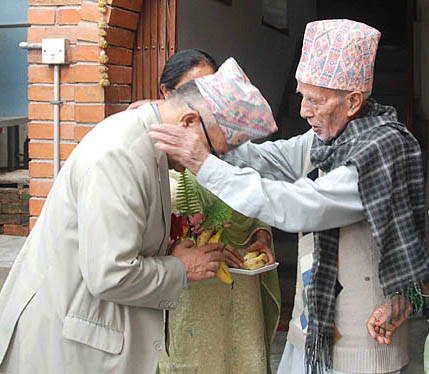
(222, 31)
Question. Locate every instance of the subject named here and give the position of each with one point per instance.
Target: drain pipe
(53, 53)
(56, 103)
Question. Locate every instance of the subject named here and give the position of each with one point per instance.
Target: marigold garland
(103, 59)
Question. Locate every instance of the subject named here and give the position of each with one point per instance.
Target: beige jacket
(87, 291)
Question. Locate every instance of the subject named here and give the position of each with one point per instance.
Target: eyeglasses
(212, 150)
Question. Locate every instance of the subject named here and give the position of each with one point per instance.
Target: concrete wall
(222, 31)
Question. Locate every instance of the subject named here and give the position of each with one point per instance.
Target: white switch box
(54, 51)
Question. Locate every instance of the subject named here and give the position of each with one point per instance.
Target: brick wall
(85, 102)
(14, 211)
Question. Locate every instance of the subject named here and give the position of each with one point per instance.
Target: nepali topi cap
(338, 54)
(239, 108)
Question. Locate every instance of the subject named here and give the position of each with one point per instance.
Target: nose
(306, 111)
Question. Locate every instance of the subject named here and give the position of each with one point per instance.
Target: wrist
(263, 235)
(195, 165)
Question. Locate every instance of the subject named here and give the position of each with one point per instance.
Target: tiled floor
(419, 328)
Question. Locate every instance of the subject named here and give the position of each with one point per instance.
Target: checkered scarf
(391, 187)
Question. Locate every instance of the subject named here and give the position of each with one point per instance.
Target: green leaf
(187, 201)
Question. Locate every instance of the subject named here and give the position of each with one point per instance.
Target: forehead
(314, 91)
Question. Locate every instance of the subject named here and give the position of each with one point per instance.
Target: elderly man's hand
(183, 145)
(200, 263)
(386, 318)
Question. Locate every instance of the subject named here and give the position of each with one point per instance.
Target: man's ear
(189, 118)
(165, 92)
(355, 101)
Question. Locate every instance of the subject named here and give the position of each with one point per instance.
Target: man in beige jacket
(88, 289)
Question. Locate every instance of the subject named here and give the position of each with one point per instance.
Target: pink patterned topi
(240, 110)
(338, 54)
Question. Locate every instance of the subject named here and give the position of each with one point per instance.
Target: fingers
(232, 259)
(262, 248)
(212, 247)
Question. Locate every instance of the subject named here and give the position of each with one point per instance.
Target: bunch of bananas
(209, 237)
(254, 260)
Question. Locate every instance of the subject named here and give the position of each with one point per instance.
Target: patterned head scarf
(240, 110)
(338, 54)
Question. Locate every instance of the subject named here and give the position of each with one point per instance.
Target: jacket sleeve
(113, 200)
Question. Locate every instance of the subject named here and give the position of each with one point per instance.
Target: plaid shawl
(391, 187)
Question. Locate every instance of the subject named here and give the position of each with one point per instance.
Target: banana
(223, 273)
(216, 237)
(255, 262)
(204, 237)
(251, 255)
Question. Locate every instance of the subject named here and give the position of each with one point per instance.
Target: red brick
(40, 74)
(15, 230)
(46, 150)
(40, 187)
(87, 32)
(67, 74)
(40, 111)
(36, 34)
(87, 73)
(46, 93)
(54, 2)
(115, 94)
(123, 18)
(120, 37)
(89, 94)
(81, 131)
(90, 113)
(45, 111)
(46, 131)
(41, 16)
(68, 16)
(36, 206)
(85, 53)
(41, 169)
(120, 56)
(34, 56)
(135, 5)
(89, 12)
(32, 223)
(120, 74)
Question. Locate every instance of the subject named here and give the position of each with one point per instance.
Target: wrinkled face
(324, 109)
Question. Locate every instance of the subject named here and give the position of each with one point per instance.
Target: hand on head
(182, 145)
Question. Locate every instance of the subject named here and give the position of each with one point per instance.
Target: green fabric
(426, 355)
(239, 236)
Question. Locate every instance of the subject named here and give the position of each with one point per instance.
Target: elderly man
(87, 292)
(366, 209)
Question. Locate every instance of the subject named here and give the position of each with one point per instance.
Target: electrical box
(54, 51)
